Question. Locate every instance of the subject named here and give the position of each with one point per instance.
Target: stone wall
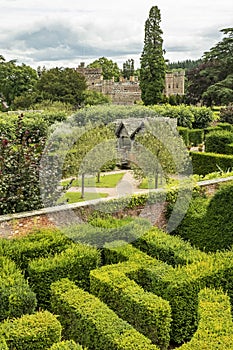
(126, 92)
(14, 225)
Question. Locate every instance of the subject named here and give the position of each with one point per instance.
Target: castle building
(127, 91)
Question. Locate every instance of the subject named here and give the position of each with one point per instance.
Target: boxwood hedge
(15, 294)
(75, 262)
(31, 332)
(89, 321)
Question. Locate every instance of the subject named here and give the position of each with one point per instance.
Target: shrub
(226, 114)
(205, 163)
(32, 332)
(39, 243)
(15, 295)
(215, 328)
(229, 149)
(203, 116)
(66, 345)
(225, 126)
(3, 344)
(181, 286)
(87, 320)
(196, 136)
(216, 141)
(101, 234)
(208, 223)
(75, 263)
(184, 132)
(170, 249)
(147, 313)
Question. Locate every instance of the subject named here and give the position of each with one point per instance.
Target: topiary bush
(208, 223)
(215, 327)
(39, 243)
(88, 321)
(31, 332)
(226, 114)
(216, 142)
(196, 136)
(75, 262)
(15, 294)
(66, 345)
(205, 163)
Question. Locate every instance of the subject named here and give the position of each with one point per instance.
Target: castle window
(169, 86)
(177, 85)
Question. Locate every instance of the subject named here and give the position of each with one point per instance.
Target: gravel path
(127, 185)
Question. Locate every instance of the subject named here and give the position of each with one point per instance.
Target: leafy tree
(128, 68)
(152, 72)
(92, 98)
(16, 80)
(62, 84)
(186, 64)
(110, 69)
(211, 82)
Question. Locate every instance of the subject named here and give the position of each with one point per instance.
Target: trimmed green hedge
(89, 321)
(170, 249)
(3, 344)
(216, 141)
(147, 313)
(180, 286)
(98, 236)
(195, 136)
(215, 327)
(32, 332)
(205, 163)
(184, 133)
(74, 263)
(40, 243)
(229, 149)
(15, 295)
(208, 223)
(66, 345)
(225, 126)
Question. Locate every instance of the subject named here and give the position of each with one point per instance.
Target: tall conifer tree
(153, 67)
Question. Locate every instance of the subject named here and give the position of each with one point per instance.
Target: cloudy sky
(66, 32)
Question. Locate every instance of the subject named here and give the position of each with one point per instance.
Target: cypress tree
(153, 67)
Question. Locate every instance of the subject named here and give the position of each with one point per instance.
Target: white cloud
(66, 32)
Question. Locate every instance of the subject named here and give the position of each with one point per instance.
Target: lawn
(108, 181)
(150, 183)
(74, 197)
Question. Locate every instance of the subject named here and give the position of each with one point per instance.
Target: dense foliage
(152, 72)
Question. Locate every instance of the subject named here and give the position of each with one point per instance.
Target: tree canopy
(212, 81)
(152, 72)
(62, 84)
(110, 69)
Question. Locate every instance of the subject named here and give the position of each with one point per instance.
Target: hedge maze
(158, 292)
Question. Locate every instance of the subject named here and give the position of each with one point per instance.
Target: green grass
(108, 181)
(150, 184)
(75, 197)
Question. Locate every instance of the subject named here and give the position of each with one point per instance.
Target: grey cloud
(58, 41)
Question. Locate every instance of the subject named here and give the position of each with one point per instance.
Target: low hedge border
(215, 327)
(146, 312)
(39, 243)
(15, 294)
(205, 163)
(75, 262)
(67, 345)
(170, 249)
(180, 286)
(89, 321)
(3, 344)
(31, 332)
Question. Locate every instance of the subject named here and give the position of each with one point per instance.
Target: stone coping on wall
(93, 202)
